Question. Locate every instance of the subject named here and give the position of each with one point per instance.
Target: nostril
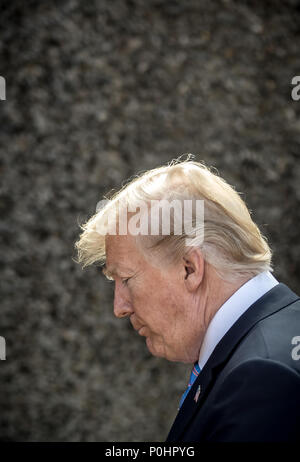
(122, 312)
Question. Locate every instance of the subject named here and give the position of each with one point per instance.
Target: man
(206, 296)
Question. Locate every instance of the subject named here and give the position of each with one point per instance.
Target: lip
(140, 330)
(136, 324)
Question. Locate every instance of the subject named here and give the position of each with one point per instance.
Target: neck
(216, 291)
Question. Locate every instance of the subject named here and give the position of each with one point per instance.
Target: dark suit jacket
(250, 385)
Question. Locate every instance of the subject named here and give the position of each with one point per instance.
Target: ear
(194, 264)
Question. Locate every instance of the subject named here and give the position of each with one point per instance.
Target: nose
(122, 306)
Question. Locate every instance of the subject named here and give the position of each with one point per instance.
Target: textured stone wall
(95, 92)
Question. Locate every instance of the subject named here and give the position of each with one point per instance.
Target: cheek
(168, 318)
(156, 303)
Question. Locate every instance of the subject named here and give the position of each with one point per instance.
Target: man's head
(169, 289)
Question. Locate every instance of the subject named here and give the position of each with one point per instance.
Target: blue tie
(194, 374)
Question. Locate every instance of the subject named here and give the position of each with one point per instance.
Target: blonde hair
(231, 242)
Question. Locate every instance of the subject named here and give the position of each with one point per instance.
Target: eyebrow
(109, 273)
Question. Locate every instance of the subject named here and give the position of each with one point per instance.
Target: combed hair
(232, 243)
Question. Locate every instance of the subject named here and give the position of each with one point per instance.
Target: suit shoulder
(272, 337)
(278, 333)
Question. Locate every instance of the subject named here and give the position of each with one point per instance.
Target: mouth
(137, 326)
(141, 330)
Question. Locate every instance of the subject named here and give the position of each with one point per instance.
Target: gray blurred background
(96, 92)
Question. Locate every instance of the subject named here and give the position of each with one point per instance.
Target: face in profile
(156, 300)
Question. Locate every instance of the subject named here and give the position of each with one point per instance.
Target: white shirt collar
(232, 309)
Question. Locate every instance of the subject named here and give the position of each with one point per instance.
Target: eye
(125, 281)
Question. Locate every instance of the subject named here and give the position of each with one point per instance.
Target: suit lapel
(274, 300)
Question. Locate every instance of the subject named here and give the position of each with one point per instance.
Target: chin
(160, 351)
(150, 347)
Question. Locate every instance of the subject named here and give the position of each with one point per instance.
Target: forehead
(122, 254)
